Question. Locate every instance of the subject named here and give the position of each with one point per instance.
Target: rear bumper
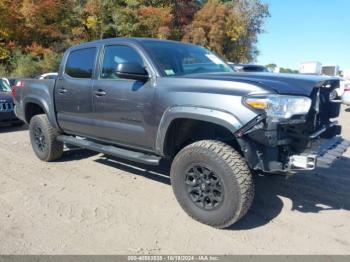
(19, 112)
(324, 156)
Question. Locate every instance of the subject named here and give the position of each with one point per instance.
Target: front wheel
(43, 139)
(212, 183)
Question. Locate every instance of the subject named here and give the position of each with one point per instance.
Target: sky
(306, 30)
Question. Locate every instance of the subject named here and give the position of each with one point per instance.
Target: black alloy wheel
(39, 138)
(204, 187)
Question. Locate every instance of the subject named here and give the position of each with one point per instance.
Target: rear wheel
(43, 139)
(212, 183)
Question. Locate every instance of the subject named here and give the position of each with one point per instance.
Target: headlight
(280, 106)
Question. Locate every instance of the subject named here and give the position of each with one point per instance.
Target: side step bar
(111, 150)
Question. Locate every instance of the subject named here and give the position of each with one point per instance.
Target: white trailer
(330, 70)
(310, 68)
(346, 74)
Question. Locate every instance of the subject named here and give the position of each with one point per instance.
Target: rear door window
(80, 63)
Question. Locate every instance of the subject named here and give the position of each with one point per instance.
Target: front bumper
(275, 151)
(327, 152)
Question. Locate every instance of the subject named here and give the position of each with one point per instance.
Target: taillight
(14, 88)
(20, 83)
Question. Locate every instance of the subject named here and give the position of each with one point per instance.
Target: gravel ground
(90, 204)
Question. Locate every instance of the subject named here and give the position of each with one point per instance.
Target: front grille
(6, 106)
(327, 108)
(331, 108)
(321, 116)
(323, 110)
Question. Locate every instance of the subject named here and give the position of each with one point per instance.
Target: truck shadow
(316, 191)
(157, 173)
(74, 154)
(9, 128)
(321, 190)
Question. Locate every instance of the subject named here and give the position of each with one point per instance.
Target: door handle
(62, 91)
(100, 92)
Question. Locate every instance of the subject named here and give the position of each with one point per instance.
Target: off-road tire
(232, 170)
(53, 149)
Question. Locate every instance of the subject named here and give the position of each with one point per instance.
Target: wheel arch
(34, 106)
(210, 116)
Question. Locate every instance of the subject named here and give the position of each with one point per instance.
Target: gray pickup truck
(146, 99)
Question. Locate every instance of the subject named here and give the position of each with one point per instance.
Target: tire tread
(55, 147)
(241, 173)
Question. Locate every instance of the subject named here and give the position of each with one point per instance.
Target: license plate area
(303, 162)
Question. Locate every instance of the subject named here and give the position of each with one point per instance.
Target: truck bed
(34, 90)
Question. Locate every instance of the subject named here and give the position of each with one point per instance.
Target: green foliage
(271, 66)
(50, 62)
(27, 66)
(144, 21)
(288, 71)
(3, 71)
(229, 28)
(35, 33)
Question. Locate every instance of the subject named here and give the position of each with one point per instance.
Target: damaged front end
(293, 133)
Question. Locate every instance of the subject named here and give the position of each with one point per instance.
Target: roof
(122, 39)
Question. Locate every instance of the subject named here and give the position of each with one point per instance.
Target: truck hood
(6, 97)
(291, 84)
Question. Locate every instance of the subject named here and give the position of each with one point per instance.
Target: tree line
(35, 33)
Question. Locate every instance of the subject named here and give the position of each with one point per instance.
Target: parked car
(7, 115)
(346, 94)
(248, 68)
(149, 99)
(52, 76)
(6, 80)
(11, 81)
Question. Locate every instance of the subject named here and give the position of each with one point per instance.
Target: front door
(73, 92)
(122, 107)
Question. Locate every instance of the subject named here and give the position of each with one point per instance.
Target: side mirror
(133, 71)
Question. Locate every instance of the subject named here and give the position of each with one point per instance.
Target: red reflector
(13, 89)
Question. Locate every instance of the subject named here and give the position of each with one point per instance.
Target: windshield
(178, 59)
(4, 86)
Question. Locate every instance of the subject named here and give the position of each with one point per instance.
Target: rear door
(123, 108)
(73, 91)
